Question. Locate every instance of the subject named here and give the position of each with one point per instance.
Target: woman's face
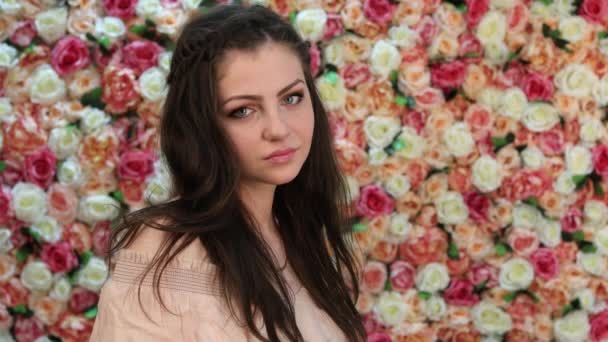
(265, 107)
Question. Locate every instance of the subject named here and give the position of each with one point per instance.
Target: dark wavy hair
(310, 210)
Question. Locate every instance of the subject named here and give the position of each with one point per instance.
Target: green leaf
(20, 309)
(530, 294)
(509, 297)
(85, 257)
(424, 295)
(500, 142)
(597, 188)
(398, 144)
(578, 235)
(22, 253)
(292, 17)
(105, 42)
(401, 100)
(602, 35)
(359, 227)
(118, 196)
(34, 234)
(138, 29)
(411, 102)
(462, 8)
(331, 77)
(91, 37)
(453, 251)
(150, 23)
(388, 286)
(531, 201)
(502, 249)
(471, 54)
(93, 98)
(29, 49)
(547, 2)
(394, 76)
(481, 286)
(91, 313)
(587, 247)
(579, 180)
(2, 165)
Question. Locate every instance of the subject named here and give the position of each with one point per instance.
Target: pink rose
(518, 16)
(315, 59)
(69, 54)
(136, 165)
(595, 11)
(379, 336)
(514, 74)
(415, 119)
(333, 27)
(429, 98)
(355, 74)
(374, 277)
(600, 160)
(112, 58)
(402, 275)
(373, 201)
(479, 119)
(483, 272)
(448, 75)
(469, 44)
(537, 86)
(6, 320)
(59, 256)
(478, 205)
(526, 183)
(427, 29)
(523, 241)
(551, 142)
(429, 247)
(28, 329)
(82, 299)
(378, 11)
(120, 89)
(545, 262)
(572, 220)
(39, 167)
(6, 212)
(460, 292)
(63, 203)
(140, 55)
(13, 292)
(23, 33)
(124, 9)
(475, 11)
(101, 238)
(170, 3)
(599, 326)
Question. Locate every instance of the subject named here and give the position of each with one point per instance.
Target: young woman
(251, 247)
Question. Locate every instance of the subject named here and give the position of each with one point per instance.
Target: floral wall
(472, 134)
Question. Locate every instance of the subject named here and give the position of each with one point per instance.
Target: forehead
(271, 66)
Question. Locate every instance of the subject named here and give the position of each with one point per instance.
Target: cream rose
(48, 228)
(8, 56)
(10, 7)
(93, 275)
(45, 86)
(397, 185)
(491, 97)
(600, 90)
(574, 327)
(513, 102)
(600, 239)
(525, 216)
(576, 80)
(148, 8)
(5, 240)
(515, 274)
(70, 172)
(64, 141)
(96, 208)
(376, 156)
(496, 53)
(153, 85)
(591, 130)
(432, 277)
(533, 157)
(490, 319)
(164, 60)
(93, 119)
(391, 308)
(563, 7)
(564, 184)
(451, 208)
(400, 226)
(28, 201)
(61, 290)
(332, 93)
(540, 116)
(333, 53)
(403, 36)
(52, 24)
(434, 308)
(492, 27)
(549, 232)
(573, 28)
(36, 276)
(593, 263)
(6, 110)
(578, 160)
(586, 298)
(487, 174)
(384, 58)
(414, 144)
(310, 23)
(111, 27)
(158, 189)
(380, 131)
(458, 139)
(596, 212)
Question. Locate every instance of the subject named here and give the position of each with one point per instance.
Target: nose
(275, 125)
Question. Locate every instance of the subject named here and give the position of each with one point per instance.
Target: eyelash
(298, 93)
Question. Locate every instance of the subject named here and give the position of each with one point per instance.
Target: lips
(279, 153)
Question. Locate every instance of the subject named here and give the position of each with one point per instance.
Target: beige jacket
(187, 288)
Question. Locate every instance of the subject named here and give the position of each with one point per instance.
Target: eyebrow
(257, 97)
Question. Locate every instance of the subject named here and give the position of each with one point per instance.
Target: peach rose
(120, 89)
(63, 203)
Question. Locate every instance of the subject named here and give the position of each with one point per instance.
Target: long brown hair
(310, 210)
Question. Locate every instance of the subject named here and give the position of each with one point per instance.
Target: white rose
(413, 144)
(573, 28)
(434, 308)
(564, 184)
(153, 85)
(111, 27)
(384, 58)
(576, 80)
(52, 24)
(563, 7)
(458, 139)
(487, 174)
(513, 102)
(148, 8)
(600, 90)
(578, 160)
(540, 116)
(333, 53)
(600, 239)
(170, 21)
(310, 23)
(6, 110)
(8, 56)
(36, 276)
(332, 94)
(70, 172)
(10, 7)
(515, 274)
(45, 86)
(591, 130)
(28, 202)
(380, 131)
(5, 240)
(191, 4)
(490, 97)
(492, 27)
(403, 36)
(164, 60)
(525, 216)
(398, 185)
(64, 141)
(533, 157)
(93, 275)
(549, 232)
(593, 263)
(451, 208)
(432, 277)
(61, 290)
(391, 308)
(596, 212)
(490, 319)
(93, 119)
(158, 189)
(376, 156)
(6, 336)
(496, 52)
(48, 228)
(96, 208)
(574, 327)
(586, 298)
(400, 225)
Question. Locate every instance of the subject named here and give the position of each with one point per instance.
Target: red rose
(373, 201)
(374, 277)
(28, 329)
(136, 165)
(140, 55)
(595, 11)
(124, 9)
(23, 33)
(315, 59)
(480, 273)
(537, 86)
(82, 299)
(599, 325)
(333, 27)
(59, 256)
(378, 11)
(402, 275)
(545, 262)
(460, 292)
(572, 221)
(355, 74)
(448, 75)
(39, 167)
(120, 89)
(600, 160)
(475, 11)
(478, 205)
(69, 54)
(551, 142)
